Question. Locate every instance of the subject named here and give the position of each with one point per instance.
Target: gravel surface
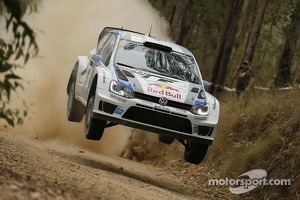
(31, 169)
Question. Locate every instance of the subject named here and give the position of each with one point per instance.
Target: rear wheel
(75, 110)
(94, 128)
(165, 139)
(195, 152)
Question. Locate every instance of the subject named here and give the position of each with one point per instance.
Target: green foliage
(14, 53)
(281, 13)
(203, 23)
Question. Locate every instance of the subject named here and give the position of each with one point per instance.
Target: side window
(102, 42)
(107, 49)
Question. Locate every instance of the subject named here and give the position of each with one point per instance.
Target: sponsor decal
(119, 111)
(148, 103)
(164, 89)
(104, 77)
(162, 86)
(195, 129)
(182, 111)
(200, 118)
(214, 104)
(162, 108)
(118, 98)
(84, 71)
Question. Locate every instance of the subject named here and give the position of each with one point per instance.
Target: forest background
(262, 132)
(222, 34)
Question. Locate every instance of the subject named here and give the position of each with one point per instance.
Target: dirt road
(31, 169)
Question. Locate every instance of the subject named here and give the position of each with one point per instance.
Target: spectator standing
(245, 78)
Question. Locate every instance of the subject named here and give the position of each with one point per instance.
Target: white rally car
(139, 81)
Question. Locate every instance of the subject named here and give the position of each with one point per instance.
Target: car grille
(159, 119)
(154, 99)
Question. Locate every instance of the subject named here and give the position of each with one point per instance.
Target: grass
(260, 132)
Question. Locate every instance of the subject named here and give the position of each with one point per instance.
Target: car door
(104, 50)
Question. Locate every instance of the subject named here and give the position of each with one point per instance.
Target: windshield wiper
(165, 74)
(125, 65)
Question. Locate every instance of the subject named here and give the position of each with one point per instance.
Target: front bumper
(149, 116)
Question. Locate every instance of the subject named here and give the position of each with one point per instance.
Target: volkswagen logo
(163, 101)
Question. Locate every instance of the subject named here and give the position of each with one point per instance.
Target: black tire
(75, 110)
(93, 128)
(165, 139)
(194, 152)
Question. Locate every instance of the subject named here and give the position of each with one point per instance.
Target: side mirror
(206, 82)
(96, 57)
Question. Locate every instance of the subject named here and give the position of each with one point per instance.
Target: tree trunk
(179, 10)
(284, 72)
(247, 23)
(296, 75)
(254, 30)
(225, 44)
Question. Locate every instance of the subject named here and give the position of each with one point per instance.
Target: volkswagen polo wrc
(140, 81)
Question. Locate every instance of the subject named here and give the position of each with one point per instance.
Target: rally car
(140, 81)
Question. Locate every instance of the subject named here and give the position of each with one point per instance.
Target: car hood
(158, 85)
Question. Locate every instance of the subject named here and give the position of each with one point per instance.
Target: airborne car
(140, 81)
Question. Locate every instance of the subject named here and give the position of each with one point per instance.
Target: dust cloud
(67, 29)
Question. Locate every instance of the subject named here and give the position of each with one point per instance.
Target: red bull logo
(164, 89)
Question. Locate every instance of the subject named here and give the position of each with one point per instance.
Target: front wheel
(94, 128)
(75, 109)
(194, 152)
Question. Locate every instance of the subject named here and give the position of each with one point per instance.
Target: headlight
(200, 109)
(119, 89)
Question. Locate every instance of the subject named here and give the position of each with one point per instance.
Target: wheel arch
(72, 76)
(79, 66)
(93, 87)
(213, 104)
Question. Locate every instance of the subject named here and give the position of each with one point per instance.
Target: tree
(283, 77)
(254, 29)
(247, 22)
(296, 75)
(225, 45)
(176, 21)
(18, 48)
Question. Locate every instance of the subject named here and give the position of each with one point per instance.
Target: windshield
(171, 64)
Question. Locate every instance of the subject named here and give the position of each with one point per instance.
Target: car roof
(146, 39)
